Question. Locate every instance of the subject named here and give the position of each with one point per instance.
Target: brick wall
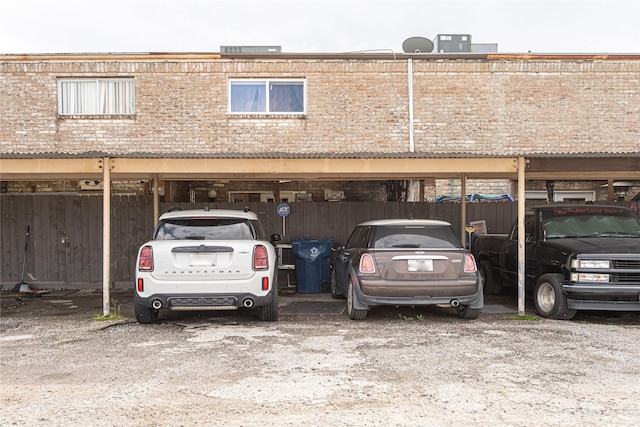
(528, 107)
(470, 107)
(353, 190)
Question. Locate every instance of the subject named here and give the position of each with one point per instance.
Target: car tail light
(140, 284)
(265, 283)
(260, 258)
(145, 262)
(366, 264)
(470, 264)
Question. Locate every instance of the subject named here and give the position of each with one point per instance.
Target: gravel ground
(399, 367)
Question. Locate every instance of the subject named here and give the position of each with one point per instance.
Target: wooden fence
(64, 241)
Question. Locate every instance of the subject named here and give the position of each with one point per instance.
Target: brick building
(351, 125)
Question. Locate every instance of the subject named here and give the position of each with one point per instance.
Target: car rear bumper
(467, 293)
(197, 295)
(203, 301)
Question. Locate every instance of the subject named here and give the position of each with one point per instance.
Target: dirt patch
(399, 367)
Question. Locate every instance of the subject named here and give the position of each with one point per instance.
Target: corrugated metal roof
(311, 155)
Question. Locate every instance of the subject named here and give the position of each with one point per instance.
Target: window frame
(104, 102)
(267, 82)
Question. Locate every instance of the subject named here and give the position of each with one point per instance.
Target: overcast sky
(109, 26)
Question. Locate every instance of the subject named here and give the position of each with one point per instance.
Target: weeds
(418, 317)
(110, 316)
(522, 317)
(114, 313)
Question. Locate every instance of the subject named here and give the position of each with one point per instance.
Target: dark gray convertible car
(405, 262)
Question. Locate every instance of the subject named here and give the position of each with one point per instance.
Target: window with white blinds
(91, 96)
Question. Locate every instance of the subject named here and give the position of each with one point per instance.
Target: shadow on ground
(89, 304)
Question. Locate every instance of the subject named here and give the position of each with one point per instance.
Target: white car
(207, 260)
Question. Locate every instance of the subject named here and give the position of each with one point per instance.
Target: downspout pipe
(412, 146)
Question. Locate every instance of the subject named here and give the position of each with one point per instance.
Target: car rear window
(205, 229)
(415, 236)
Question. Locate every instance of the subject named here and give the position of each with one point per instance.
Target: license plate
(203, 260)
(420, 265)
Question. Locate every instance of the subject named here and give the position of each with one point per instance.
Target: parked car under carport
(405, 262)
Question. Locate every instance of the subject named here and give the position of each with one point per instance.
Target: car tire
(549, 300)
(352, 312)
(334, 290)
(144, 314)
(466, 312)
(269, 312)
(490, 285)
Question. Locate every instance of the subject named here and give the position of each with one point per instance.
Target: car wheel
(490, 285)
(549, 300)
(334, 290)
(352, 312)
(145, 314)
(466, 312)
(269, 312)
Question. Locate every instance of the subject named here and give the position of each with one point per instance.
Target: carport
(321, 168)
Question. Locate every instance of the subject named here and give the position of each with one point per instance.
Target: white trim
(266, 83)
(562, 195)
(96, 96)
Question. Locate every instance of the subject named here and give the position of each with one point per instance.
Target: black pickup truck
(577, 257)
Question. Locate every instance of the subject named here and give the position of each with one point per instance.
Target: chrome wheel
(546, 297)
(549, 298)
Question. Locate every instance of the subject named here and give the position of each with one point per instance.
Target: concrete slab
(313, 308)
(498, 309)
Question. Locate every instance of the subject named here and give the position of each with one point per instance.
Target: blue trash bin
(312, 263)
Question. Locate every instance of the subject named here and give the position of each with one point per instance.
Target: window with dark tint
(357, 238)
(590, 222)
(205, 229)
(529, 230)
(415, 236)
(258, 230)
